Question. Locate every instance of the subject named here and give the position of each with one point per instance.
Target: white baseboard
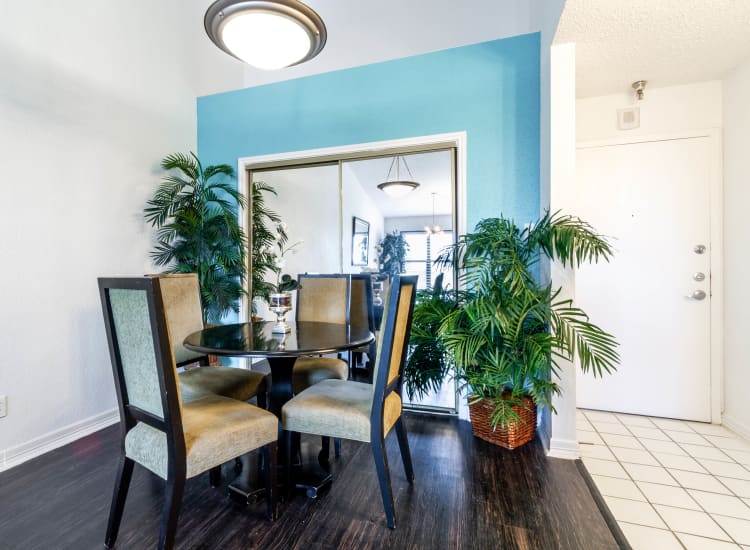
(13, 456)
(564, 448)
(740, 428)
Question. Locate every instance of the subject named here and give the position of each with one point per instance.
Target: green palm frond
(194, 211)
(506, 334)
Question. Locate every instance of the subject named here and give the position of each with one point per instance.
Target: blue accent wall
(489, 90)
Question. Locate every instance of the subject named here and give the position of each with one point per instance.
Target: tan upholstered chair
(325, 299)
(172, 439)
(180, 295)
(365, 412)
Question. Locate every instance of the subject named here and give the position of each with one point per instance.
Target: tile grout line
(685, 489)
(633, 481)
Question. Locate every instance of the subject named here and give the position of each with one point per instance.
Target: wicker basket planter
(509, 437)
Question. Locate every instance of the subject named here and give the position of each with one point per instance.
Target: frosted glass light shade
(267, 34)
(398, 189)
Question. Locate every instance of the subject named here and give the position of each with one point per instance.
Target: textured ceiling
(666, 42)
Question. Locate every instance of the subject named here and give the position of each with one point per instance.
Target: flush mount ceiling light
(267, 34)
(398, 187)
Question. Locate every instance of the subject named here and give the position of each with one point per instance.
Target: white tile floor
(670, 483)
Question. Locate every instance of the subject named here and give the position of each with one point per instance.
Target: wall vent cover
(628, 118)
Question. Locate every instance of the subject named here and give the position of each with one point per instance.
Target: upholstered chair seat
(338, 408)
(309, 371)
(216, 429)
(239, 384)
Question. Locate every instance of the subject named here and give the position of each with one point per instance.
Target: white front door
(653, 198)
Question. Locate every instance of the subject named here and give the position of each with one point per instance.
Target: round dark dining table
(281, 350)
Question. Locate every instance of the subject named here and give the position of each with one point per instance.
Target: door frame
(716, 219)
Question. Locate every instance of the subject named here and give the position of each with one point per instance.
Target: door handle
(696, 295)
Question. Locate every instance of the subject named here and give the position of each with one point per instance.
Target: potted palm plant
(392, 253)
(428, 364)
(268, 234)
(195, 213)
(505, 333)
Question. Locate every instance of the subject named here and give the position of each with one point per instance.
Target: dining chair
(324, 299)
(365, 412)
(180, 294)
(175, 440)
(362, 314)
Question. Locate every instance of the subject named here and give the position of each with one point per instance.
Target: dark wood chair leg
(337, 447)
(171, 513)
(297, 447)
(122, 484)
(288, 464)
(238, 465)
(403, 445)
(270, 459)
(214, 476)
(262, 399)
(384, 477)
(370, 365)
(325, 451)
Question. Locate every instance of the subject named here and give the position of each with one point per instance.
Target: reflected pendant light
(398, 187)
(267, 34)
(434, 229)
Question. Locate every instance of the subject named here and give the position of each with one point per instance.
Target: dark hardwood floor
(467, 494)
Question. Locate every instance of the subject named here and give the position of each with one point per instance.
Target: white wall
(663, 110)
(544, 15)
(93, 94)
(417, 223)
(355, 202)
(307, 200)
(356, 30)
(562, 158)
(736, 90)
(214, 71)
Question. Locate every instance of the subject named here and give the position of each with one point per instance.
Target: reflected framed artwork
(360, 241)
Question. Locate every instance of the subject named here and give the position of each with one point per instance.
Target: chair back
(361, 312)
(141, 354)
(181, 298)
(393, 341)
(324, 298)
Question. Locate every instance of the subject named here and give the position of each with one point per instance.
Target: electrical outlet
(3, 405)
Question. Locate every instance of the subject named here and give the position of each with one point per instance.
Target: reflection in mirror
(360, 241)
(342, 217)
(307, 201)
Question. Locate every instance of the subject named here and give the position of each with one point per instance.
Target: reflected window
(422, 251)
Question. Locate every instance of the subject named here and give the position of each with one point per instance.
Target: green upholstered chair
(180, 295)
(173, 439)
(325, 299)
(365, 412)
